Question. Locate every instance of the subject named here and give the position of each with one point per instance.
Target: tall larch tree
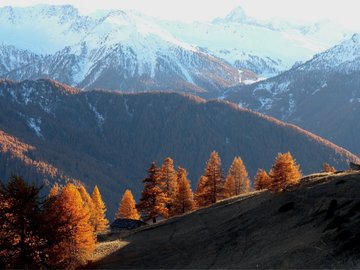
(100, 221)
(284, 172)
(79, 246)
(237, 180)
(262, 180)
(127, 208)
(202, 195)
(229, 186)
(153, 202)
(211, 188)
(88, 202)
(184, 198)
(168, 179)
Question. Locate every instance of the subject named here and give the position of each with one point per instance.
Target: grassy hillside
(315, 225)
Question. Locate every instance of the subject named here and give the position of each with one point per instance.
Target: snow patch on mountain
(35, 125)
(127, 108)
(99, 118)
(266, 103)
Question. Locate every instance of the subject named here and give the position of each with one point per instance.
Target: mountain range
(110, 138)
(128, 51)
(321, 95)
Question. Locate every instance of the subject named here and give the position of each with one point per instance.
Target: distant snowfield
(46, 29)
(265, 47)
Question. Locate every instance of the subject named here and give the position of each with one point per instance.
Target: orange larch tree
(127, 208)
(328, 168)
(168, 180)
(184, 198)
(237, 178)
(284, 172)
(88, 202)
(79, 246)
(210, 190)
(202, 195)
(229, 186)
(153, 202)
(54, 191)
(100, 221)
(262, 180)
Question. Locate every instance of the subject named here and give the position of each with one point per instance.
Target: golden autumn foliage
(262, 180)
(49, 232)
(237, 181)
(168, 181)
(229, 186)
(153, 202)
(88, 203)
(127, 207)
(54, 191)
(100, 221)
(210, 186)
(79, 246)
(201, 195)
(328, 168)
(184, 198)
(284, 172)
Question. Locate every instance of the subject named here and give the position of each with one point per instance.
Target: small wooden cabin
(126, 224)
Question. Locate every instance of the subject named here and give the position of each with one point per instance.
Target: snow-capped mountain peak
(236, 15)
(119, 49)
(344, 57)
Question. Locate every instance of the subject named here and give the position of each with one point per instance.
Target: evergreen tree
(184, 198)
(284, 172)
(100, 221)
(328, 168)
(127, 207)
(237, 181)
(168, 179)
(210, 190)
(262, 180)
(154, 201)
(20, 241)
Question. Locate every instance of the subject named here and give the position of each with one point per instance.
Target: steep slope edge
(315, 225)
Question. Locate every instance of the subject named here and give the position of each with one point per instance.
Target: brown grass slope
(110, 139)
(313, 226)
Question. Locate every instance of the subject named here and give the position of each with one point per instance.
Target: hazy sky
(345, 12)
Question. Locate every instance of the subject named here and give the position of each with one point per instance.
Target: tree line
(59, 230)
(167, 192)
